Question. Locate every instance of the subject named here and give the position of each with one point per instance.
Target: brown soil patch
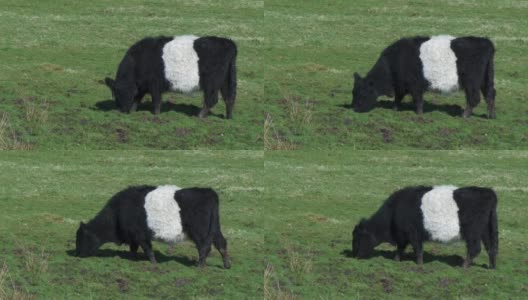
(386, 134)
(386, 283)
(122, 285)
(122, 135)
(182, 132)
(181, 282)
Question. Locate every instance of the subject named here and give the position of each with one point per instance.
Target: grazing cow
(183, 63)
(441, 213)
(140, 214)
(439, 63)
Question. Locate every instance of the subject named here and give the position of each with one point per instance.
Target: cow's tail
(214, 218)
(230, 86)
(232, 79)
(493, 233)
(488, 86)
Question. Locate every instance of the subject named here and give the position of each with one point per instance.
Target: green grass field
(54, 55)
(310, 218)
(44, 196)
(314, 47)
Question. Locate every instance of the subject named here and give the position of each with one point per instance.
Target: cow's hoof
(227, 265)
(203, 114)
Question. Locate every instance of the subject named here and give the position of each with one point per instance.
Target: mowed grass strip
(45, 195)
(311, 216)
(56, 54)
(315, 47)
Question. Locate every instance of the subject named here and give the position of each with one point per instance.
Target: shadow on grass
(453, 110)
(452, 260)
(186, 109)
(160, 257)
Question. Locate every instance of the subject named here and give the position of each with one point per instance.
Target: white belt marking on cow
(440, 214)
(439, 63)
(181, 64)
(163, 214)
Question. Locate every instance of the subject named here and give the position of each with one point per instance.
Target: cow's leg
(134, 248)
(210, 99)
(156, 99)
(221, 245)
(137, 101)
(203, 251)
(416, 243)
(147, 248)
(229, 101)
(398, 100)
(473, 249)
(492, 254)
(400, 249)
(472, 99)
(489, 95)
(418, 101)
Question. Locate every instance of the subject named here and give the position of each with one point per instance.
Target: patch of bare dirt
(386, 134)
(445, 282)
(445, 131)
(122, 285)
(183, 132)
(181, 282)
(156, 269)
(386, 283)
(420, 120)
(154, 120)
(122, 135)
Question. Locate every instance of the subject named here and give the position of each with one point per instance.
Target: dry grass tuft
(36, 111)
(300, 112)
(9, 139)
(8, 289)
(272, 288)
(299, 265)
(272, 139)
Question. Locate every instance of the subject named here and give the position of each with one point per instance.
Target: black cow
(140, 214)
(441, 213)
(183, 63)
(439, 63)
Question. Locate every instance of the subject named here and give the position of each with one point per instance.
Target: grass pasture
(312, 214)
(55, 54)
(314, 47)
(45, 195)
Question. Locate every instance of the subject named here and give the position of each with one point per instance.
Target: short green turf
(44, 196)
(311, 215)
(314, 48)
(55, 54)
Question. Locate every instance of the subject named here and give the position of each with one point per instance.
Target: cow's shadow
(140, 256)
(452, 260)
(190, 110)
(453, 110)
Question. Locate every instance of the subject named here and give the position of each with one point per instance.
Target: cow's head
(363, 241)
(364, 95)
(87, 242)
(123, 94)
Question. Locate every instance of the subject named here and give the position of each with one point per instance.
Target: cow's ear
(110, 83)
(357, 77)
